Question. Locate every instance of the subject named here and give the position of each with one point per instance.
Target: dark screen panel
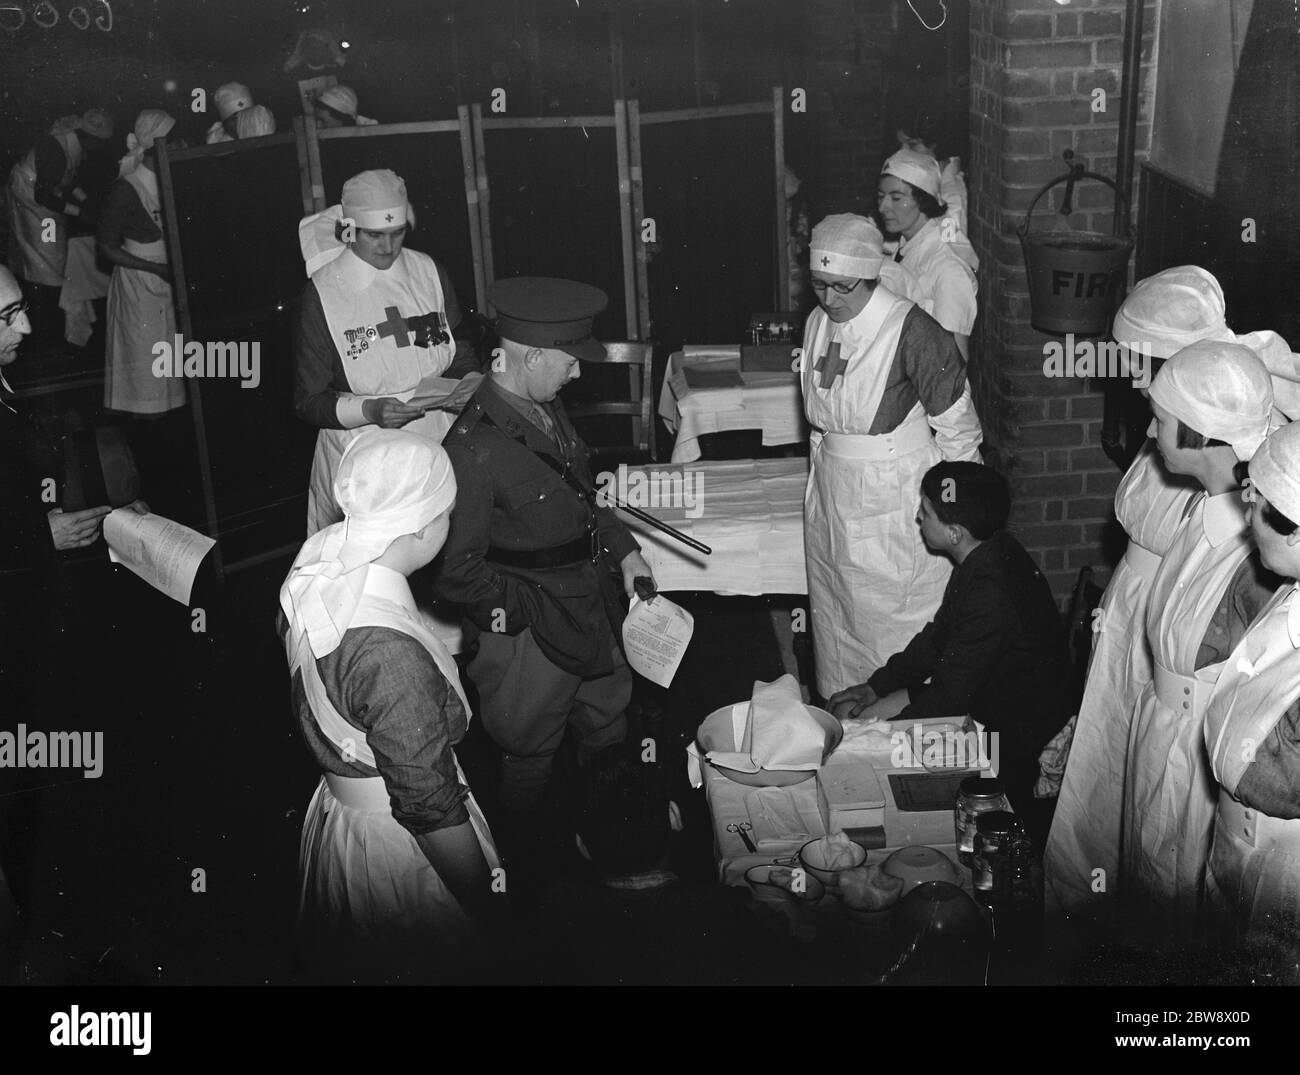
(555, 210)
(238, 217)
(709, 187)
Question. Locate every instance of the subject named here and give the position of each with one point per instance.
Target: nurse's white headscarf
(1222, 390)
(231, 98)
(846, 244)
(150, 125)
(371, 199)
(1175, 307)
(1180, 306)
(254, 122)
(1275, 470)
(919, 169)
(344, 99)
(389, 483)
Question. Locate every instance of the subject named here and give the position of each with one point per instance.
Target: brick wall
(1034, 66)
(847, 46)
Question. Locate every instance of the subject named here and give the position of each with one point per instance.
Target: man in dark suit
(994, 650)
(530, 554)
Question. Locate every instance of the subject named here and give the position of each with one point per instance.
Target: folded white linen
(777, 733)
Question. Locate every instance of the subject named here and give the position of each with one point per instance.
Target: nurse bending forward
(885, 393)
(396, 860)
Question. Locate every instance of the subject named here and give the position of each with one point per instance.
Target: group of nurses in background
(1182, 741)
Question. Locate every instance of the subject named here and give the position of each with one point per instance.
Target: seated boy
(994, 650)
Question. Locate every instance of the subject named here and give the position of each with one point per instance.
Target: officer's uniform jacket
(514, 511)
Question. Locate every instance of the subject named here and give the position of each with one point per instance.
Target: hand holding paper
(445, 393)
(655, 636)
(165, 554)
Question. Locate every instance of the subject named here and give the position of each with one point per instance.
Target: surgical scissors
(742, 828)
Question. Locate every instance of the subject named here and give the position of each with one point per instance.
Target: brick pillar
(1034, 67)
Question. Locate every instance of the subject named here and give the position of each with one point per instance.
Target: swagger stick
(659, 524)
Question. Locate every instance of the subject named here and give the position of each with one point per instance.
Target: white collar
(927, 236)
(358, 275)
(389, 585)
(1224, 517)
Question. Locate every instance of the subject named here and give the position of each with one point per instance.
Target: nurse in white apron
(885, 393)
(1208, 391)
(38, 249)
(1162, 314)
(396, 861)
(926, 267)
(141, 312)
(1252, 724)
(373, 324)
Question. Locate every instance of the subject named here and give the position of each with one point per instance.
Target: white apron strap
(145, 185)
(350, 740)
(376, 612)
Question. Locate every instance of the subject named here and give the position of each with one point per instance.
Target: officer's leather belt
(584, 548)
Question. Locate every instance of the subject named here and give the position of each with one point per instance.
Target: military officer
(530, 554)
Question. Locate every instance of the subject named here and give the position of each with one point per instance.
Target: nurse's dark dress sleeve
(122, 216)
(466, 359)
(927, 367)
(318, 370)
(386, 684)
(51, 163)
(1271, 784)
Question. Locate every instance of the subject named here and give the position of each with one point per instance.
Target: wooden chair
(638, 357)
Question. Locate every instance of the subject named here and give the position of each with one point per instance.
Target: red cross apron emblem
(830, 366)
(395, 327)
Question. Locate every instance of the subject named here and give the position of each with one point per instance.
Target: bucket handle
(1071, 177)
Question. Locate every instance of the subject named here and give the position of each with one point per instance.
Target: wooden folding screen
(495, 196)
(232, 212)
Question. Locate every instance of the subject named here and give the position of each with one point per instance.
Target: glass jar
(976, 795)
(990, 871)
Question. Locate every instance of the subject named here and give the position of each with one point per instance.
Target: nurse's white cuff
(957, 431)
(348, 411)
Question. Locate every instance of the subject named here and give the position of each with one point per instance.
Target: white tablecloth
(750, 511)
(770, 402)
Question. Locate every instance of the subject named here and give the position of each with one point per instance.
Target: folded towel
(775, 731)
